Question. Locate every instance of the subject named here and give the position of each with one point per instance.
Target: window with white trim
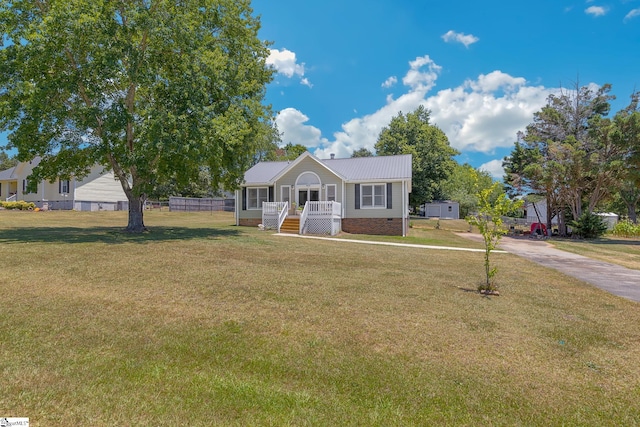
(256, 196)
(373, 196)
(285, 193)
(331, 192)
(63, 186)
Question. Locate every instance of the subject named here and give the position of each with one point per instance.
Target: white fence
(321, 218)
(273, 214)
(316, 217)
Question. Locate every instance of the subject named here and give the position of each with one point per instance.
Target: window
(373, 196)
(331, 193)
(256, 196)
(63, 186)
(285, 193)
(25, 187)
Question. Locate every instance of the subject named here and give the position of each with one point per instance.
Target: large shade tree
(432, 155)
(567, 153)
(625, 133)
(155, 90)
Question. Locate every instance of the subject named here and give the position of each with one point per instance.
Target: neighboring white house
(365, 195)
(97, 191)
(540, 207)
(609, 218)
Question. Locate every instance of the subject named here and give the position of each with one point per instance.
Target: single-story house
(362, 195)
(443, 209)
(99, 190)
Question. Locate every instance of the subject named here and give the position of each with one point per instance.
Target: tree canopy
(432, 155)
(463, 186)
(155, 90)
(625, 134)
(569, 153)
(289, 152)
(362, 152)
(7, 161)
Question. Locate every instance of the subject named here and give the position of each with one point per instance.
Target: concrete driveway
(612, 278)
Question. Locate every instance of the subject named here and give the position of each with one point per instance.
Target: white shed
(609, 218)
(443, 209)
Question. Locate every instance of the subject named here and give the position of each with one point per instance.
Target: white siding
(98, 187)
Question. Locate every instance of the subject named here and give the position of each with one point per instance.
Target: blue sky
(346, 67)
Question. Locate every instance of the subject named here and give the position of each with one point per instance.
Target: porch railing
(12, 198)
(321, 218)
(273, 214)
(303, 217)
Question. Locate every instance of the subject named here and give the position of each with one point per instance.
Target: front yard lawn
(202, 323)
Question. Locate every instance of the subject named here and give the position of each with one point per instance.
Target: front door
(308, 195)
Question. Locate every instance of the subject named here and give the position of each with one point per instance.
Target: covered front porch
(316, 217)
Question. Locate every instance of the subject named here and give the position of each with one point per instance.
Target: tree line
(171, 98)
(577, 158)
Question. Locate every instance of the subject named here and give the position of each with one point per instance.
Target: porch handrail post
(283, 214)
(303, 217)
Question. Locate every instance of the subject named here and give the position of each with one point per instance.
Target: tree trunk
(631, 208)
(136, 223)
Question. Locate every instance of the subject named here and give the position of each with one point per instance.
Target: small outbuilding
(609, 218)
(442, 209)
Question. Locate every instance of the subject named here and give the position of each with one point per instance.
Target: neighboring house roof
(7, 175)
(387, 168)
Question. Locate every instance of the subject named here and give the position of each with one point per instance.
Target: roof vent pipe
(333, 156)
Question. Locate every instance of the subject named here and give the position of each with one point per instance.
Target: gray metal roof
(372, 168)
(7, 175)
(383, 168)
(264, 172)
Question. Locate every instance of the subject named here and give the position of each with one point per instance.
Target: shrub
(626, 228)
(589, 226)
(19, 205)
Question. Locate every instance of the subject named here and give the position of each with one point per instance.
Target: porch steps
(291, 225)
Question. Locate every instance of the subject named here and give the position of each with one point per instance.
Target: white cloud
(419, 79)
(284, 62)
(632, 14)
(292, 127)
(596, 11)
(481, 114)
(465, 39)
(494, 167)
(390, 82)
(494, 81)
(486, 113)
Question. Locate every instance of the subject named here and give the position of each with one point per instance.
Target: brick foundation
(375, 226)
(378, 226)
(249, 222)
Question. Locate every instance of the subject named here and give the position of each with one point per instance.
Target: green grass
(616, 250)
(427, 232)
(203, 323)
